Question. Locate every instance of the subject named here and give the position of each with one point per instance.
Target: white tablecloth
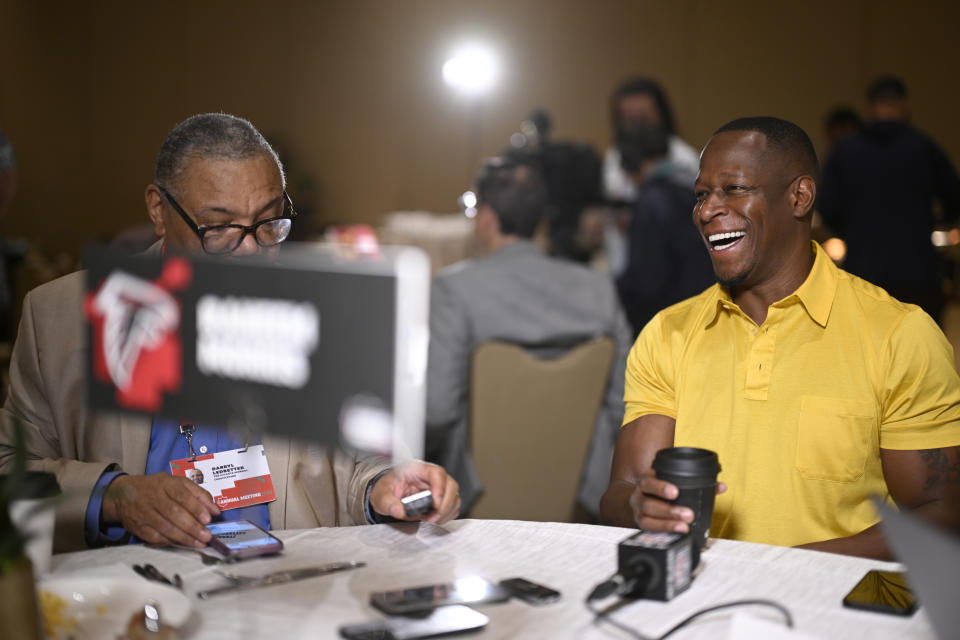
(568, 557)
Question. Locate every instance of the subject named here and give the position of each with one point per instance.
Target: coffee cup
(31, 495)
(694, 472)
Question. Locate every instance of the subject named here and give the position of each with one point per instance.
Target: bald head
(787, 144)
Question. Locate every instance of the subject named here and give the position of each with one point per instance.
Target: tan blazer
(315, 486)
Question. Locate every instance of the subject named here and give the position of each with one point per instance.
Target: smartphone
(242, 539)
(419, 599)
(418, 504)
(442, 621)
(530, 591)
(882, 591)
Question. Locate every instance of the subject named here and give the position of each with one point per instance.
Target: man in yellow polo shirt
(815, 388)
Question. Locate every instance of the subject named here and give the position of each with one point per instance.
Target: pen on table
(239, 583)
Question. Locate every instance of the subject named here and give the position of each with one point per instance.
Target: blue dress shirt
(166, 444)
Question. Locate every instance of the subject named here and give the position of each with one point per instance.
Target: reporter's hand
(652, 510)
(160, 508)
(409, 478)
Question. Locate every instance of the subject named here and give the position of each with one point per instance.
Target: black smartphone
(242, 539)
(882, 591)
(442, 621)
(419, 599)
(530, 591)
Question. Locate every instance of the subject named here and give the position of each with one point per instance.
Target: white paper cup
(34, 519)
(32, 512)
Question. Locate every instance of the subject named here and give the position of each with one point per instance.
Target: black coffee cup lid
(686, 461)
(30, 485)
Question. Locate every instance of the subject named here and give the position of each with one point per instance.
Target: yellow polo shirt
(798, 408)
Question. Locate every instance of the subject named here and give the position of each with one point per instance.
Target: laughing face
(745, 212)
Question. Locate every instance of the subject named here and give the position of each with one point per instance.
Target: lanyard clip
(187, 430)
(246, 442)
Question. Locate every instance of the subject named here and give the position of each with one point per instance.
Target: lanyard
(188, 430)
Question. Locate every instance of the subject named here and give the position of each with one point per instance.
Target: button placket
(760, 362)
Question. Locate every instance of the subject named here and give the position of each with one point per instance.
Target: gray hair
(210, 135)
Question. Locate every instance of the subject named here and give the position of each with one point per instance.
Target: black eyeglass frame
(202, 231)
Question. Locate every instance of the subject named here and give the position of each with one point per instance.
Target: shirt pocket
(834, 438)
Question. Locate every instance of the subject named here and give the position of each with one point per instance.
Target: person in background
(218, 188)
(667, 260)
(519, 295)
(8, 187)
(640, 102)
(571, 174)
(840, 122)
(884, 190)
(8, 174)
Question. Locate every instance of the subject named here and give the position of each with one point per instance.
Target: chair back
(531, 420)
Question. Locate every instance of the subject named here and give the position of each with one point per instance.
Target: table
(568, 557)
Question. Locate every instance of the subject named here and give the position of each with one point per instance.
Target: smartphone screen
(882, 591)
(441, 621)
(463, 591)
(530, 591)
(242, 538)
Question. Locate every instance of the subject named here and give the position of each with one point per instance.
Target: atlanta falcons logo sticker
(136, 345)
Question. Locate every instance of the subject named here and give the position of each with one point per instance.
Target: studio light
(472, 70)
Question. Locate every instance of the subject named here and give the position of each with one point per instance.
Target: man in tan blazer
(223, 172)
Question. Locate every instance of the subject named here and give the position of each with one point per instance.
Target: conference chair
(530, 423)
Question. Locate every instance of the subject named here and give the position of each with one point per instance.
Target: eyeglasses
(225, 238)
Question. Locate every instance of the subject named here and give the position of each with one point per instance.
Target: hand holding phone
(883, 592)
(411, 478)
(242, 539)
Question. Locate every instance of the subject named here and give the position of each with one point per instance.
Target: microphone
(651, 565)
(619, 585)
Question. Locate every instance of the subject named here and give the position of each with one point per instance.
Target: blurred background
(354, 97)
(352, 93)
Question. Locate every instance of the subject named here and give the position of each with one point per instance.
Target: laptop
(932, 558)
(318, 344)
